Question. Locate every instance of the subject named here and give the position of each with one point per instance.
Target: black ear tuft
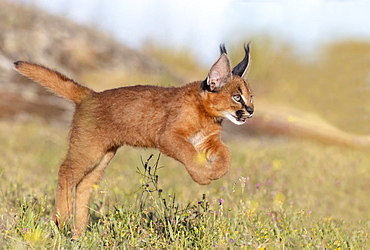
(242, 67)
(223, 49)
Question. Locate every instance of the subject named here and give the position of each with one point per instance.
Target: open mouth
(243, 119)
(236, 119)
(240, 119)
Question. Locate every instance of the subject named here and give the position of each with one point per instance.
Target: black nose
(250, 110)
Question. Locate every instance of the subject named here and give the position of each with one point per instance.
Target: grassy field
(280, 194)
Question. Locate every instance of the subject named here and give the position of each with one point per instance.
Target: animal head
(226, 92)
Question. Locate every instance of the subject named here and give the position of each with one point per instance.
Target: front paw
(215, 175)
(201, 179)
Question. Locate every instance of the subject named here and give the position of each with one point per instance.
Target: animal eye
(251, 98)
(237, 98)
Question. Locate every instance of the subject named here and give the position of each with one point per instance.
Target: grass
(280, 194)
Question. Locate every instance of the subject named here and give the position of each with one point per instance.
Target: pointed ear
(220, 74)
(242, 68)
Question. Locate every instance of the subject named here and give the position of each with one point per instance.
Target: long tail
(54, 81)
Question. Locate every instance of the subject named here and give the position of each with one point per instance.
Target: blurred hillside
(333, 82)
(323, 96)
(83, 53)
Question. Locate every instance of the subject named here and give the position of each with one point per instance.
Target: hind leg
(74, 169)
(83, 193)
(63, 199)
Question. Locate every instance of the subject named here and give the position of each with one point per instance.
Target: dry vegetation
(283, 190)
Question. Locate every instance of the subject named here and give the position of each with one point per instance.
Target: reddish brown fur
(183, 123)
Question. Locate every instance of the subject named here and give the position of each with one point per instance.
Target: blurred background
(309, 139)
(310, 70)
